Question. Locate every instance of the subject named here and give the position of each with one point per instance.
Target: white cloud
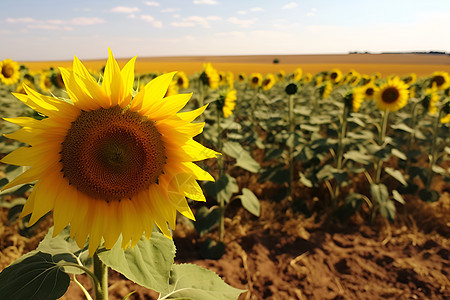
(132, 16)
(196, 20)
(312, 12)
(176, 16)
(49, 27)
(242, 23)
(170, 10)
(209, 2)
(124, 9)
(151, 3)
(289, 5)
(153, 21)
(242, 12)
(86, 21)
(256, 9)
(20, 20)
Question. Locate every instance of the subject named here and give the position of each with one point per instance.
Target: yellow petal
(155, 91)
(112, 80)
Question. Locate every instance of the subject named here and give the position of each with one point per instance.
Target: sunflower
(335, 76)
(241, 77)
(307, 78)
(368, 90)
(109, 164)
(182, 80)
(430, 99)
(392, 95)
(410, 79)
(255, 80)
(20, 88)
(9, 72)
(57, 80)
(268, 82)
(353, 99)
(229, 79)
(172, 89)
(325, 89)
(440, 79)
(45, 82)
(210, 76)
(298, 74)
(228, 102)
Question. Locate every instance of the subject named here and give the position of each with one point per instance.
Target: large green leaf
(148, 263)
(223, 188)
(38, 276)
(189, 281)
(206, 219)
(379, 193)
(250, 202)
(358, 157)
(242, 156)
(396, 174)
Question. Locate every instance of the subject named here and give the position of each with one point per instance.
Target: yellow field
(386, 64)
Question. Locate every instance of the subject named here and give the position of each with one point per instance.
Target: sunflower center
(112, 154)
(266, 82)
(333, 75)
(369, 91)
(438, 79)
(255, 80)
(7, 71)
(180, 81)
(390, 95)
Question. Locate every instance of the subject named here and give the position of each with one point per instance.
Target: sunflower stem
(381, 137)
(291, 145)
(101, 272)
(432, 156)
(221, 172)
(340, 153)
(412, 135)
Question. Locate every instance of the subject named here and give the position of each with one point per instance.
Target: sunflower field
(333, 185)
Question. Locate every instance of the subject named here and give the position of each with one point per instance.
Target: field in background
(386, 64)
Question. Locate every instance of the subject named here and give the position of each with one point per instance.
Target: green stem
(101, 273)
(433, 150)
(291, 146)
(221, 172)
(340, 152)
(412, 135)
(381, 137)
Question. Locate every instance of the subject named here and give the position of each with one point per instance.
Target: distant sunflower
(410, 79)
(325, 89)
(392, 95)
(335, 76)
(172, 89)
(440, 80)
(228, 102)
(298, 74)
(57, 80)
(268, 82)
(182, 80)
(369, 90)
(280, 75)
(353, 99)
(9, 72)
(229, 79)
(45, 82)
(430, 99)
(446, 111)
(241, 77)
(210, 76)
(109, 164)
(255, 80)
(307, 78)
(20, 88)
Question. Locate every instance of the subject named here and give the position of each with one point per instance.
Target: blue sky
(55, 30)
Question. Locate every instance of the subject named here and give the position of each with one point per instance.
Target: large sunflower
(9, 72)
(392, 95)
(109, 164)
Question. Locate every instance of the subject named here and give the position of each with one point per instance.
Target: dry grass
(386, 64)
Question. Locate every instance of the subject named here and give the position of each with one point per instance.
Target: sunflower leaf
(250, 202)
(189, 281)
(147, 264)
(38, 276)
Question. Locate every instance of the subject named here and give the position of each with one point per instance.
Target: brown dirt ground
(282, 255)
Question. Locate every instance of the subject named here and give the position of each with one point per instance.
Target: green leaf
(304, 180)
(250, 202)
(398, 197)
(358, 157)
(36, 277)
(379, 193)
(399, 154)
(242, 156)
(206, 219)
(223, 188)
(387, 210)
(232, 149)
(396, 174)
(147, 264)
(191, 281)
(403, 127)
